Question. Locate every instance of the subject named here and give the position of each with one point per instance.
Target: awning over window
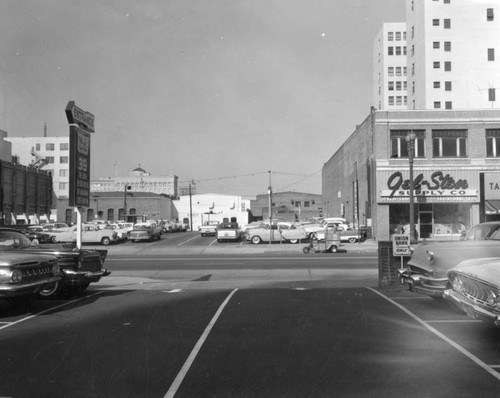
(492, 206)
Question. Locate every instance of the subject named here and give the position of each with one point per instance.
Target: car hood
(487, 269)
(448, 254)
(8, 258)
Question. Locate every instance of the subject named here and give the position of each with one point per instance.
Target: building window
(111, 214)
(49, 159)
(446, 1)
(390, 36)
(49, 147)
(398, 71)
(399, 100)
(64, 159)
(491, 54)
(390, 71)
(447, 66)
(447, 23)
(447, 46)
(398, 50)
(436, 64)
(37, 147)
(435, 22)
(491, 94)
(398, 86)
(399, 146)
(448, 105)
(63, 186)
(390, 50)
(404, 50)
(447, 86)
(490, 16)
(404, 70)
(391, 100)
(449, 143)
(435, 44)
(306, 203)
(390, 86)
(437, 84)
(398, 36)
(437, 105)
(64, 146)
(492, 143)
(405, 84)
(63, 172)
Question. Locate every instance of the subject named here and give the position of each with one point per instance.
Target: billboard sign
(79, 167)
(80, 117)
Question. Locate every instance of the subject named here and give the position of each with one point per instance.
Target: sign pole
(78, 228)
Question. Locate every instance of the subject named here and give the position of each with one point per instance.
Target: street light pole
(410, 140)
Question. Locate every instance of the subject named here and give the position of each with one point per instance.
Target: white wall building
(453, 54)
(390, 67)
(50, 154)
(212, 207)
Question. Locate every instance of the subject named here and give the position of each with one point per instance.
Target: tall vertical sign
(82, 124)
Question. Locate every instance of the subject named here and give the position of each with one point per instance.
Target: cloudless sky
(215, 91)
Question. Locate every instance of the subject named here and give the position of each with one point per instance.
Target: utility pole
(270, 193)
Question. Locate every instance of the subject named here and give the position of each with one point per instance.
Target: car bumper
(79, 277)
(471, 308)
(24, 289)
(433, 287)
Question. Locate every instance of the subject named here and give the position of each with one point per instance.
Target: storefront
(447, 201)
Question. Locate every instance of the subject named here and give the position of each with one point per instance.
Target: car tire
(333, 249)
(256, 240)
(306, 249)
(294, 241)
(49, 290)
(105, 241)
(35, 241)
(53, 239)
(353, 240)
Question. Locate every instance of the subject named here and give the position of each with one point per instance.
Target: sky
(228, 94)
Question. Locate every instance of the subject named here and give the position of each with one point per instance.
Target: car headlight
(457, 284)
(56, 270)
(16, 276)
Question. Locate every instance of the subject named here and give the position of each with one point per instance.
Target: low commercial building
(456, 169)
(287, 206)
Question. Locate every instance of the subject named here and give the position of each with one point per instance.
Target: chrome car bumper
(78, 277)
(418, 283)
(20, 289)
(471, 308)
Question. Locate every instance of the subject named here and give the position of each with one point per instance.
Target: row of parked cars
(281, 231)
(465, 272)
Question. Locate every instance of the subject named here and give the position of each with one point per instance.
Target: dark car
(430, 261)
(79, 267)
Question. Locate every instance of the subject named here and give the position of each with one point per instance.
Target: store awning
(492, 206)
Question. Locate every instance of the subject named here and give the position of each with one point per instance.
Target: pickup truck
(208, 228)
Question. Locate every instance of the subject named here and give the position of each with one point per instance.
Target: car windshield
(484, 232)
(13, 240)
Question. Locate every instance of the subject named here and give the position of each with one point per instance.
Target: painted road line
(185, 368)
(451, 342)
(189, 240)
(47, 310)
(456, 321)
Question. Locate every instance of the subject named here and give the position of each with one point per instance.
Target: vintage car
(208, 228)
(228, 231)
(475, 289)
(78, 268)
(320, 226)
(91, 233)
(37, 234)
(430, 261)
(120, 230)
(24, 274)
(145, 231)
(279, 232)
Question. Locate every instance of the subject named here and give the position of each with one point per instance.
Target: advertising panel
(79, 167)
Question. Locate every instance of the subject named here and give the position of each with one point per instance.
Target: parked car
(288, 232)
(475, 289)
(430, 261)
(56, 226)
(119, 229)
(24, 274)
(145, 231)
(312, 228)
(90, 234)
(208, 228)
(78, 268)
(228, 231)
(353, 235)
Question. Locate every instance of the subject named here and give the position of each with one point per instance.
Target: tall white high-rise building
(453, 54)
(390, 67)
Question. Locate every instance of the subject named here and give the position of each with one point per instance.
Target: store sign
(492, 186)
(439, 186)
(79, 167)
(401, 245)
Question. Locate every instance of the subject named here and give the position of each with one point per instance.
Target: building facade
(50, 154)
(453, 54)
(456, 171)
(287, 206)
(139, 180)
(390, 67)
(200, 208)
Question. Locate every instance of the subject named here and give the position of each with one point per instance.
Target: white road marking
(185, 368)
(189, 240)
(47, 310)
(456, 321)
(455, 345)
